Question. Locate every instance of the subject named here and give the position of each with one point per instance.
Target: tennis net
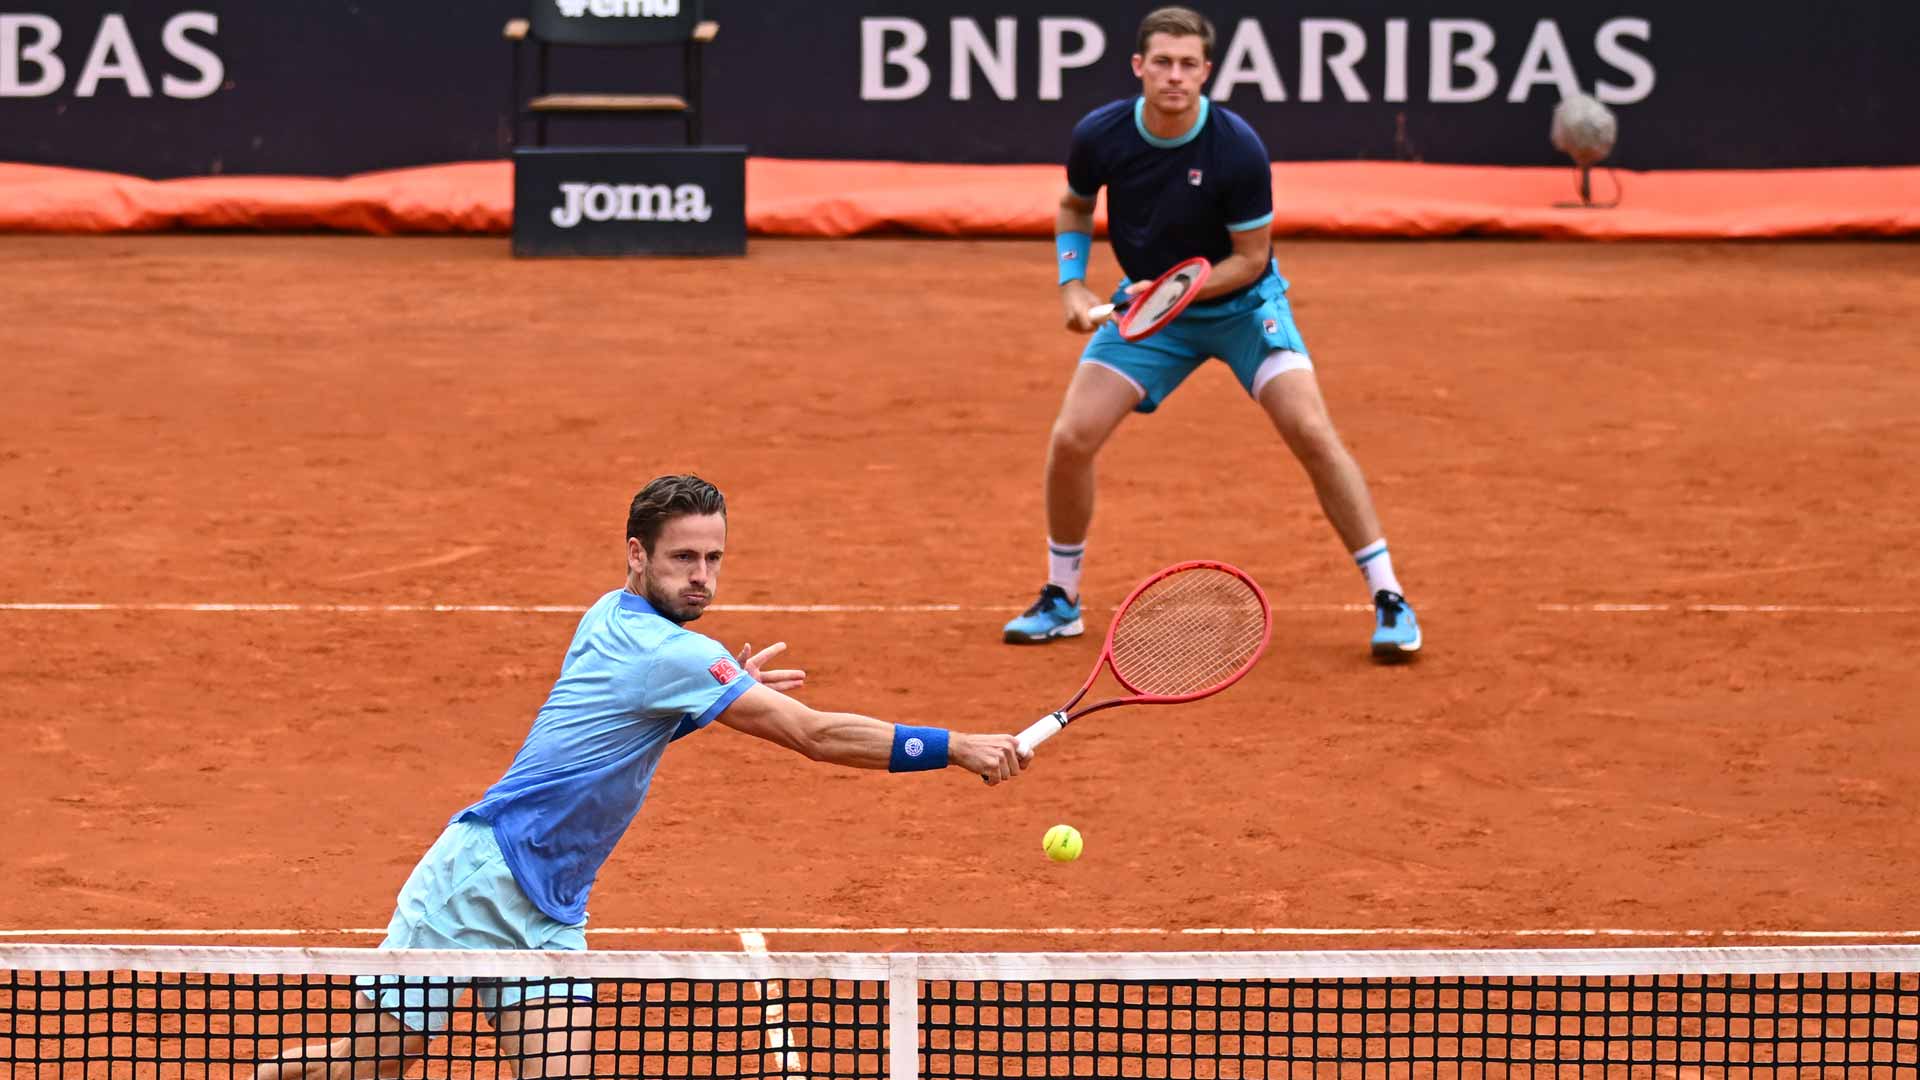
(161, 1013)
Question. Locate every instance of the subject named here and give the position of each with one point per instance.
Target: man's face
(681, 573)
(1172, 71)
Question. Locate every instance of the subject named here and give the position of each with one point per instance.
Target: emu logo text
(630, 202)
(621, 9)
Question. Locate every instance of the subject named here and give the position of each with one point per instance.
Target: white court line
(1732, 609)
(316, 609)
(894, 609)
(775, 1034)
(479, 609)
(755, 938)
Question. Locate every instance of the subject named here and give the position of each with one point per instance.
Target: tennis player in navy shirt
(514, 869)
(1185, 177)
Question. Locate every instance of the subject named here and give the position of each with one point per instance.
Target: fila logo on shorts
(723, 672)
(1193, 177)
(621, 9)
(1270, 326)
(630, 202)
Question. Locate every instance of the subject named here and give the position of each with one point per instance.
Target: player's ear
(1139, 65)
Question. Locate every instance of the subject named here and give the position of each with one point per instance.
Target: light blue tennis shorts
(462, 896)
(1254, 334)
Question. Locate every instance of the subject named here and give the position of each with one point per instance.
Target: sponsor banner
(167, 88)
(188, 87)
(1785, 84)
(647, 201)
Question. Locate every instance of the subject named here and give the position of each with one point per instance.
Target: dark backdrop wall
(184, 87)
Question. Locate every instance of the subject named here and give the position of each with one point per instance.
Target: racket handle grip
(1040, 731)
(1098, 313)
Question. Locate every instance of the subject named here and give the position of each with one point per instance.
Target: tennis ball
(1062, 843)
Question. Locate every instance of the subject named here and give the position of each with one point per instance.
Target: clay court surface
(1550, 430)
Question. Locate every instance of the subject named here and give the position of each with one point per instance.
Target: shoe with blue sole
(1053, 615)
(1396, 633)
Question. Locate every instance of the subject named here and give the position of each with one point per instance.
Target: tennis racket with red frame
(1152, 309)
(1187, 632)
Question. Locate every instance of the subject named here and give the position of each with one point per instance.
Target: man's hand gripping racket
(1152, 305)
(1187, 632)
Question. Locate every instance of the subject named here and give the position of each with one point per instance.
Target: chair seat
(684, 100)
(608, 103)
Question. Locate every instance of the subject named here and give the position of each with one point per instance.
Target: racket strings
(1198, 651)
(1201, 665)
(1161, 300)
(1188, 632)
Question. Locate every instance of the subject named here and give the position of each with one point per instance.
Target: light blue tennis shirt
(633, 681)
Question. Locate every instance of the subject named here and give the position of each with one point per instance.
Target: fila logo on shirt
(1193, 177)
(630, 202)
(723, 672)
(621, 9)
(1270, 326)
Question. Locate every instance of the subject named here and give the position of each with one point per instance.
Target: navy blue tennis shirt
(1171, 199)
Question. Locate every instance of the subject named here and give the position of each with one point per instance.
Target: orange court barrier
(837, 199)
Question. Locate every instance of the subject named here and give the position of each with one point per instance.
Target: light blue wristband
(1073, 249)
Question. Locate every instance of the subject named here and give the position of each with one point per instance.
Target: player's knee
(1074, 442)
(1311, 438)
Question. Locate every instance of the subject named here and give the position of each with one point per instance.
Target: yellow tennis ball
(1062, 843)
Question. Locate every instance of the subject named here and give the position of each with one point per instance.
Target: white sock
(1374, 562)
(1063, 565)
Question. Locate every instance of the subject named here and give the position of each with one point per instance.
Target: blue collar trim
(633, 601)
(1140, 124)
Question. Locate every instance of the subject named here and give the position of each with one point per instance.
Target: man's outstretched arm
(862, 742)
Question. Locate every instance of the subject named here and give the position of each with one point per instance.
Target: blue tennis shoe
(1396, 633)
(1054, 615)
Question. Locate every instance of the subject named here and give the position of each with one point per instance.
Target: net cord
(1066, 967)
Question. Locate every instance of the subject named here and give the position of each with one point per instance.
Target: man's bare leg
(379, 1049)
(1097, 400)
(1292, 400)
(547, 1037)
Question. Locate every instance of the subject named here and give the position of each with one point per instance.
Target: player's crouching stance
(513, 870)
(1184, 178)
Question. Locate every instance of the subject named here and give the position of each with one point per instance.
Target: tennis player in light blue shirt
(514, 870)
(633, 681)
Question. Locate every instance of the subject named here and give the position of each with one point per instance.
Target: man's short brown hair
(667, 497)
(1180, 22)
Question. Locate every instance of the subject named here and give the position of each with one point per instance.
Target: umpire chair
(652, 26)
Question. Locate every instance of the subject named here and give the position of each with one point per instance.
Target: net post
(903, 1016)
